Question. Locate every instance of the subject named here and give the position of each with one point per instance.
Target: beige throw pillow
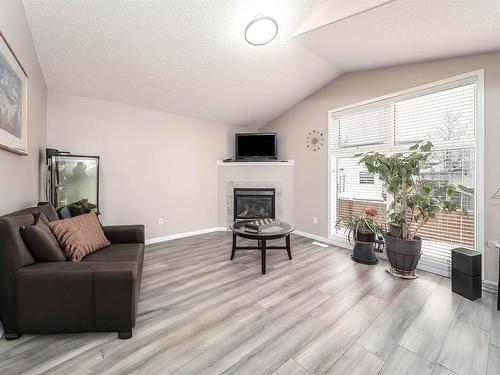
(80, 236)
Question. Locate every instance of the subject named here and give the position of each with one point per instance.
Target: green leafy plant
(355, 223)
(414, 200)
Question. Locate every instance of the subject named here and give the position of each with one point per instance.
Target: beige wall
(153, 164)
(21, 176)
(311, 169)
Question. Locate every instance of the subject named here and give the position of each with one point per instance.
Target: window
(447, 114)
(366, 178)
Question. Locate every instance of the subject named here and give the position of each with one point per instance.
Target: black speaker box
(466, 273)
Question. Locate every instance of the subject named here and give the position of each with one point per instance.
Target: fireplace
(254, 203)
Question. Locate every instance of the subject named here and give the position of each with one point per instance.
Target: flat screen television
(256, 146)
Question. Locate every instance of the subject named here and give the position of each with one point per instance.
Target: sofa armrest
(60, 297)
(124, 233)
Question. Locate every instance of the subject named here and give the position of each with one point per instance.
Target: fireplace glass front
(254, 203)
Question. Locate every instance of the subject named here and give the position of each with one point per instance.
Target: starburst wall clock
(315, 140)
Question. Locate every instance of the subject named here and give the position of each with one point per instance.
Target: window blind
(374, 120)
(447, 115)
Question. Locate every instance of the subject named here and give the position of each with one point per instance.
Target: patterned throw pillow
(80, 236)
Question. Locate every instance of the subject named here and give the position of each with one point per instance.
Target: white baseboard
(225, 229)
(321, 239)
(171, 237)
(490, 286)
(184, 234)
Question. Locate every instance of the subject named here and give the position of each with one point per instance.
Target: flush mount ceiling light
(261, 30)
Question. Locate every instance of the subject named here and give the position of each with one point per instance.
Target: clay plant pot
(403, 254)
(363, 251)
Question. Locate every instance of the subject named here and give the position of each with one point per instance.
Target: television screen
(256, 146)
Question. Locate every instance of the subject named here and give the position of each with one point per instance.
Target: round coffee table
(281, 230)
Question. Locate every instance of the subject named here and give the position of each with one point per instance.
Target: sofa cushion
(126, 252)
(48, 210)
(41, 242)
(43, 207)
(80, 235)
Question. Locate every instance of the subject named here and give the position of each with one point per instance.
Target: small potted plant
(415, 201)
(363, 230)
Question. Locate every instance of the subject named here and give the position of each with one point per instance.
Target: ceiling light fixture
(261, 30)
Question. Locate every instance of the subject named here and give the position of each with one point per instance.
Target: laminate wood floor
(320, 313)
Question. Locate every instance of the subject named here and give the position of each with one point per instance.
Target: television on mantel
(256, 146)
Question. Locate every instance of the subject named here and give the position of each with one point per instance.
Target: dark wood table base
(262, 246)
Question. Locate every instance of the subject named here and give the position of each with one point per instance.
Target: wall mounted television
(256, 146)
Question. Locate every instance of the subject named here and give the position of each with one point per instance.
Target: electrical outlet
(160, 220)
(315, 220)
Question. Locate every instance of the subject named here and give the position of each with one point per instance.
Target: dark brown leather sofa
(98, 294)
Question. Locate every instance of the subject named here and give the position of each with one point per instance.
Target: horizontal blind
(442, 117)
(364, 127)
(447, 116)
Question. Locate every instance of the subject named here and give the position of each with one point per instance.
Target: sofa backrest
(14, 254)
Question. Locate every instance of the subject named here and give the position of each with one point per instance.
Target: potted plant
(363, 230)
(414, 202)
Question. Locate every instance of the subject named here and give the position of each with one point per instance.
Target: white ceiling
(336, 10)
(181, 56)
(190, 56)
(405, 31)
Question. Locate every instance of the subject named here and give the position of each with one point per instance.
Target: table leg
(263, 255)
(288, 249)
(234, 246)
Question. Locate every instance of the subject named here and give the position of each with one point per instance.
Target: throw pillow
(80, 235)
(41, 241)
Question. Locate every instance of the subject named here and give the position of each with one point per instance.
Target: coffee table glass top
(277, 230)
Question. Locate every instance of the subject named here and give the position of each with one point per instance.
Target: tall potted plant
(414, 202)
(363, 230)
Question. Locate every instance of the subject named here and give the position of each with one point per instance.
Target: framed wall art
(13, 101)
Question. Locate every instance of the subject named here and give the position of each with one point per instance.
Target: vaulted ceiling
(190, 56)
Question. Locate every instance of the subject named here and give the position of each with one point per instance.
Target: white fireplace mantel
(282, 163)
